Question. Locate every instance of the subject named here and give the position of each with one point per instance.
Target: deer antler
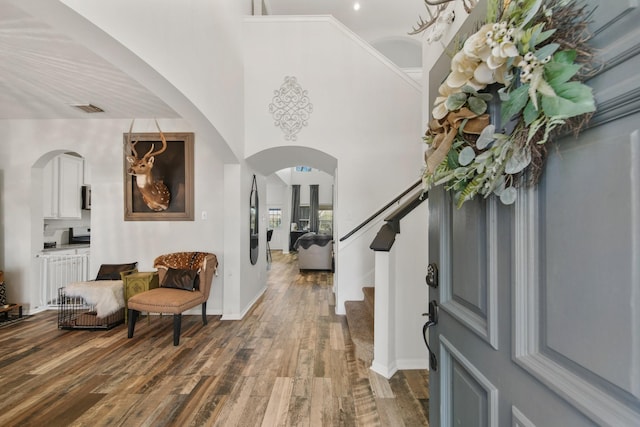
(469, 5)
(129, 144)
(422, 24)
(440, 6)
(437, 2)
(164, 144)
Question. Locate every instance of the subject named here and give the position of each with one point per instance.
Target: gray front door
(539, 320)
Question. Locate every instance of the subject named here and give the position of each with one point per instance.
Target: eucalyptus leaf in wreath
(486, 137)
(477, 105)
(508, 195)
(456, 101)
(466, 156)
(519, 160)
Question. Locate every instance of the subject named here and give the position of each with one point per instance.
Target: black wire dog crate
(75, 313)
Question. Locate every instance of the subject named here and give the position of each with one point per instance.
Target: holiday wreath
(534, 54)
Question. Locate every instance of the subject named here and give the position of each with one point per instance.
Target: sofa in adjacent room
(315, 252)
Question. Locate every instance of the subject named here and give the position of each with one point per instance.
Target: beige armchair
(173, 271)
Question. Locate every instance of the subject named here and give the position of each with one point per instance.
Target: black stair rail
(387, 235)
(381, 211)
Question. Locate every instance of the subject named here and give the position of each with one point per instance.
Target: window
(325, 214)
(325, 217)
(303, 169)
(305, 214)
(275, 217)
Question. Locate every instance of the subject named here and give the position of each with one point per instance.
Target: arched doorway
(279, 165)
(57, 181)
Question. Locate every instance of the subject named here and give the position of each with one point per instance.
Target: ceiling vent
(89, 108)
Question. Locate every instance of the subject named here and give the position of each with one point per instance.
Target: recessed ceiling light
(89, 108)
(356, 6)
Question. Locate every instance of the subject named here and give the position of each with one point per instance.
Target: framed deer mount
(158, 176)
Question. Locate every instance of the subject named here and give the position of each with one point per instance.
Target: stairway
(360, 321)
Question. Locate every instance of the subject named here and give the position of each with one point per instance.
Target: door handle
(432, 321)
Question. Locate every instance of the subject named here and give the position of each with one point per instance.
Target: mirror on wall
(253, 222)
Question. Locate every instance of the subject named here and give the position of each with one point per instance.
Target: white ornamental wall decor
(290, 108)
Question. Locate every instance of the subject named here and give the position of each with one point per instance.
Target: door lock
(432, 275)
(433, 320)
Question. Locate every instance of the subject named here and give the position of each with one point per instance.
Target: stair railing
(381, 211)
(387, 234)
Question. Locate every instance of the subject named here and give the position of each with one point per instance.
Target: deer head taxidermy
(439, 19)
(154, 192)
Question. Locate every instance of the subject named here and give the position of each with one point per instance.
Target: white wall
(244, 283)
(25, 143)
(366, 113)
(412, 294)
(195, 45)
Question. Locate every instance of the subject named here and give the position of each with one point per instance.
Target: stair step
(369, 298)
(360, 323)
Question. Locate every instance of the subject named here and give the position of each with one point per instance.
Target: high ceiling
(44, 73)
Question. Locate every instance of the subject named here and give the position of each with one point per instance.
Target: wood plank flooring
(289, 362)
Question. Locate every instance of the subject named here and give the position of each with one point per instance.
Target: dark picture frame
(174, 167)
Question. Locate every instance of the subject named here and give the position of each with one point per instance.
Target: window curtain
(295, 204)
(314, 220)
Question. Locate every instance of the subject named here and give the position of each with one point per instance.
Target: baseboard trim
(31, 312)
(240, 316)
(385, 371)
(410, 364)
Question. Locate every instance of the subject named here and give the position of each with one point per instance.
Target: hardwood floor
(290, 361)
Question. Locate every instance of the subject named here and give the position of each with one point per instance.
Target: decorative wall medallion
(290, 108)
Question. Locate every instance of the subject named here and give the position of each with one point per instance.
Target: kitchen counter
(67, 247)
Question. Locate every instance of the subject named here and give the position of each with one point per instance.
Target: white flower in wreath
(463, 68)
(476, 46)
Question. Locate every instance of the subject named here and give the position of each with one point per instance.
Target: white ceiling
(43, 73)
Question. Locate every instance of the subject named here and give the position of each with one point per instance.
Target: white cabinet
(62, 182)
(50, 189)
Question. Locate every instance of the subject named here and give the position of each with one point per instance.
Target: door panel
(469, 398)
(540, 301)
(589, 239)
(469, 290)
(469, 246)
(576, 268)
